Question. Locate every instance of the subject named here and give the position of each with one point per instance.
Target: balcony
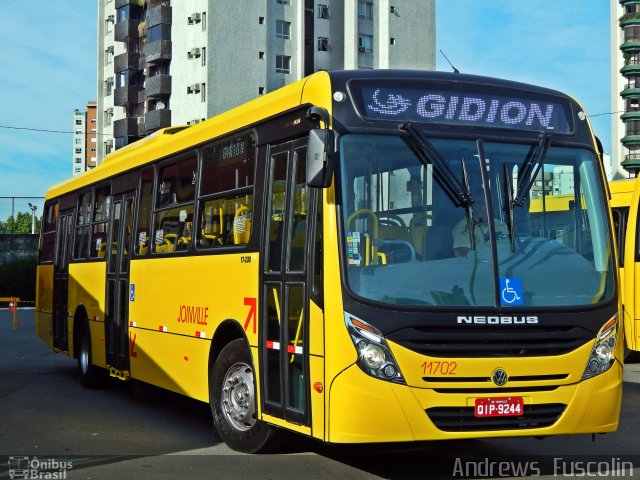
(126, 61)
(128, 127)
(630, 69)
(157, 86)
(157, 119)
(157, 15)
(128, 95)
(158, 52)
(123, 31)
(122, 3)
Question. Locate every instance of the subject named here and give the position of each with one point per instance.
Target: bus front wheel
(232, 396)
(90, 375)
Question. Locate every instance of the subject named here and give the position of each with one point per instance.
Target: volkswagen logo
(499, 377)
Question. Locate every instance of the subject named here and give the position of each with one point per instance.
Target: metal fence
(13, 209)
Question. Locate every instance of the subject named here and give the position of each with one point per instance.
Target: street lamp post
(33, 218)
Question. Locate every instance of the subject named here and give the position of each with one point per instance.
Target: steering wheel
(392, 220)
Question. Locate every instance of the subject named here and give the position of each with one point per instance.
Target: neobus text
(502, 320)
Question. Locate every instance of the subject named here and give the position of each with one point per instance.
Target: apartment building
(85, 143)
(164, 63)
(625, 87)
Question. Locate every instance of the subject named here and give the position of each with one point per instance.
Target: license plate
(499, 407)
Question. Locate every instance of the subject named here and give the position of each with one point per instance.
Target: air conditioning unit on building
(109, 143)
(195, 88)
(195, 52)
(361, 49)
(195, 17)
(110, 111)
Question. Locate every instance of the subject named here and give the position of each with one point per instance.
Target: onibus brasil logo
(23, 468)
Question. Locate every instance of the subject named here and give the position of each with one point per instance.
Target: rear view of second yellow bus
(625, 196)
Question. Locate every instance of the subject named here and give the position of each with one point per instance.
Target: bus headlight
(602, 355)
(374, 356)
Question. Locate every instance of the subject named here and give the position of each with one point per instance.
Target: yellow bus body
(180, 304)
(624, 202)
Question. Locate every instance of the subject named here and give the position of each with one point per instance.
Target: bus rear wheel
(90, 375)
(232, 397)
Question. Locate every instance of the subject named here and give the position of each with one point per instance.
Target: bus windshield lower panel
(408, 240)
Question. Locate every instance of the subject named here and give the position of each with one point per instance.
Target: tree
(20, 224)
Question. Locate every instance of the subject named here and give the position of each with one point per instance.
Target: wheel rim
(84, 355)
(238, 400)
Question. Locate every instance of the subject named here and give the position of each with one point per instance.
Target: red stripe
(269, 344)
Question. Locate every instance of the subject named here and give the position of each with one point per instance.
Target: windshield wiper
(508, 206)
(428, 155)
(530, 168)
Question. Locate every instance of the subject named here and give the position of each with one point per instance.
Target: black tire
(232, 396)
(90, 375)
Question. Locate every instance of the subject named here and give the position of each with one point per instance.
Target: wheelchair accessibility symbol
(511, 291)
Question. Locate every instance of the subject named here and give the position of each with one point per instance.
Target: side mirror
(320, 149)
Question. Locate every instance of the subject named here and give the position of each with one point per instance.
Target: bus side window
(226, 189)
(143, 230)
(173, 226)
(100, 228)
(48, 239)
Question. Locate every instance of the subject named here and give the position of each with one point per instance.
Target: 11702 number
(439, 368)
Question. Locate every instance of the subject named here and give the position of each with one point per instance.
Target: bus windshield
(521, 241)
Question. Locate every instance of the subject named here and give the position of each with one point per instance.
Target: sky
(48, 52)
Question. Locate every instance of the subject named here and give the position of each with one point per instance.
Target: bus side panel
(316, 370)
(87, 288)
(44, 304)
(176, 308)
(631, 274)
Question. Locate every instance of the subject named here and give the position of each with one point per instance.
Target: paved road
(133, 431)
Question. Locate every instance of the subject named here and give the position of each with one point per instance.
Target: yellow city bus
(624, 206)
(296, 262)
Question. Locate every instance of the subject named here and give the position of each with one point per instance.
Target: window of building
(108, 86)
(392, 40)
(203, 93)
(365, 43)
(261, 20)
(78, 160)
(323, 44)
(284, 2)
(261, 55)
(260, 90)
(78, 150)
(204, 21)
(78, 121)
(283, 29)
(204, 56)
(323, 11)
(108, 24)
(365, 9)
(158, 32)
(283, 64)
(226, 189)
(78, 141)
(108, 55)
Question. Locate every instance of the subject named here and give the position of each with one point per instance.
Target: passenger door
(117, 287)
(64, 244)
(285, 293)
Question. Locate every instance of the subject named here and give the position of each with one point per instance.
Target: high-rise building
(84, 139)
(625, 87)
(163, 63)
